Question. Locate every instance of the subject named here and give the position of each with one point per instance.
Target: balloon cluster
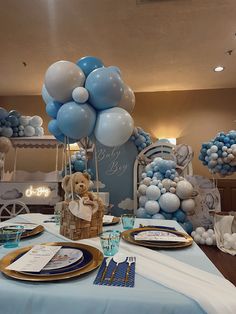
(13, 124)
(86, 98)
(163, 194)
(229, 241)
(203, 236)
(78, 164)
(141, 139)
(219, 154)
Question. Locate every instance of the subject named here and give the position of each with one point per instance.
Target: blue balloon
(89, 64)
(3, 113)
(180, 215)
(188, 226)
(79, 165)
(115, 69)
(13, 120)
(52, 108)
(166, 215)
(141, 213)
(61, 138)
(53, 128)
(14, 113)
(105, 88)
(76, 121)
(7, 132)
(46, 97)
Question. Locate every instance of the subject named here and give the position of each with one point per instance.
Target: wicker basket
(75, 228)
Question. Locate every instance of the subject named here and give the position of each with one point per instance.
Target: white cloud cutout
(127, 203)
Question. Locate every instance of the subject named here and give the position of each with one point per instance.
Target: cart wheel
(12, 209)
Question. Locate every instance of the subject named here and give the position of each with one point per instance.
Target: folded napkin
(224, 224)
(215, 294)
(119, 276)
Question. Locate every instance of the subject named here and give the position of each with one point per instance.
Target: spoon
(118, 258)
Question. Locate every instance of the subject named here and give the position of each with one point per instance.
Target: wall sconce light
(74, 147)
(171, 140)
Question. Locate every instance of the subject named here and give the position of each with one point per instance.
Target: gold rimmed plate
(114, 221)
(128, 236)
(93, 263)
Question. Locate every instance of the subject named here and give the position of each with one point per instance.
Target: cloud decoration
(101, 185)
(127, 204)
(11, 195)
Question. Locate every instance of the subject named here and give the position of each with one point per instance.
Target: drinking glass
(110, 241)
(128, 221)
(10, 236)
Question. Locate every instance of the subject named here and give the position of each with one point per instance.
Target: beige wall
(191, 116)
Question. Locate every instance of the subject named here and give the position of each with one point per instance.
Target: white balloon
(142, 189)
(202, 241)
(193, 233)
(200, 230)
(62, 78)
(184, 189)
(142, 201)
(188, 205)
(39, 131)
(227, 245)
(152, 207)
(24, 120)
(36, 121)
(113, 127)
(127, 101)
(166, 183)
(29, 131)
(205, 235)
(80, 95)
(210, 232)
(147, 181)
(209, 241)
(153, 192)
(169, 202)
(197, 238)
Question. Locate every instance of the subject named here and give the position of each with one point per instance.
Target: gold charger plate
(9, 258)
(31, 233)
(115, 221)
(127, 236)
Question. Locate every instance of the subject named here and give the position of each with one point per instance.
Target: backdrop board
(115, 167)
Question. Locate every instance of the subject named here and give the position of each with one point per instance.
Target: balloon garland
(141, 139)
(86, 98)
(163, 194)
(219, 154)
(13, 124)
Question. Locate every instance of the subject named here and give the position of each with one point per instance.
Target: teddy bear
(80, 182)
(82, 211)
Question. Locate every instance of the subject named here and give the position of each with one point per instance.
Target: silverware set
(117, 260)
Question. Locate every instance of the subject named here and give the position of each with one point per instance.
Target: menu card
(35, 259)
(156, 235)
(107, 219)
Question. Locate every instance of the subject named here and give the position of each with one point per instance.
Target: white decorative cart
(21, 188)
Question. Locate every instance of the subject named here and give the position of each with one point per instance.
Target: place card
(35, 259)
(107, 219)
(156, 235)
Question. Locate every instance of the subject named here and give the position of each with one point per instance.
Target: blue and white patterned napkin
(119, 277)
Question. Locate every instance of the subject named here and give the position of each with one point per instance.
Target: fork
(105, 269)
(130, 260)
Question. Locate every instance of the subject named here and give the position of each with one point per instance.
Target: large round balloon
(46, 97)
(5, 144)
(61, 78)
(52, 108)
(127, 100)
(89, 64)
(54, 128)
(76, 121)
(169, 202)
(113, 127)
(105, 88)
(3, 113)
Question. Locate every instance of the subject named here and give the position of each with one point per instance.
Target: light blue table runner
(80, 296)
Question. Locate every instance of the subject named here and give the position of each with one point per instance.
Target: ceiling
(162, 45)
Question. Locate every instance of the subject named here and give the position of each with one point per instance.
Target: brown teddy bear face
(80, 183)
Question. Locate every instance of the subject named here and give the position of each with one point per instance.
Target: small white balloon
(24, 120)
(188, 205)
(214, 148)
(172, 190)
(224, 148)
(210, 232)
(29, 131)
(209, 241)
(193, 234)
(200, 230)
(147, 181)
(142, 200)
(202, 241)
(142, 189)
(80, 95)
(227, 237)
(227, 245)
(197, 238)
(205, 235)
(36, 121)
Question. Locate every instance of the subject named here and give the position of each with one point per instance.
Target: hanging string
(70, 171)
(96, 169)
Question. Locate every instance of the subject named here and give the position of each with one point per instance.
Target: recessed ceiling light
(219, 69)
